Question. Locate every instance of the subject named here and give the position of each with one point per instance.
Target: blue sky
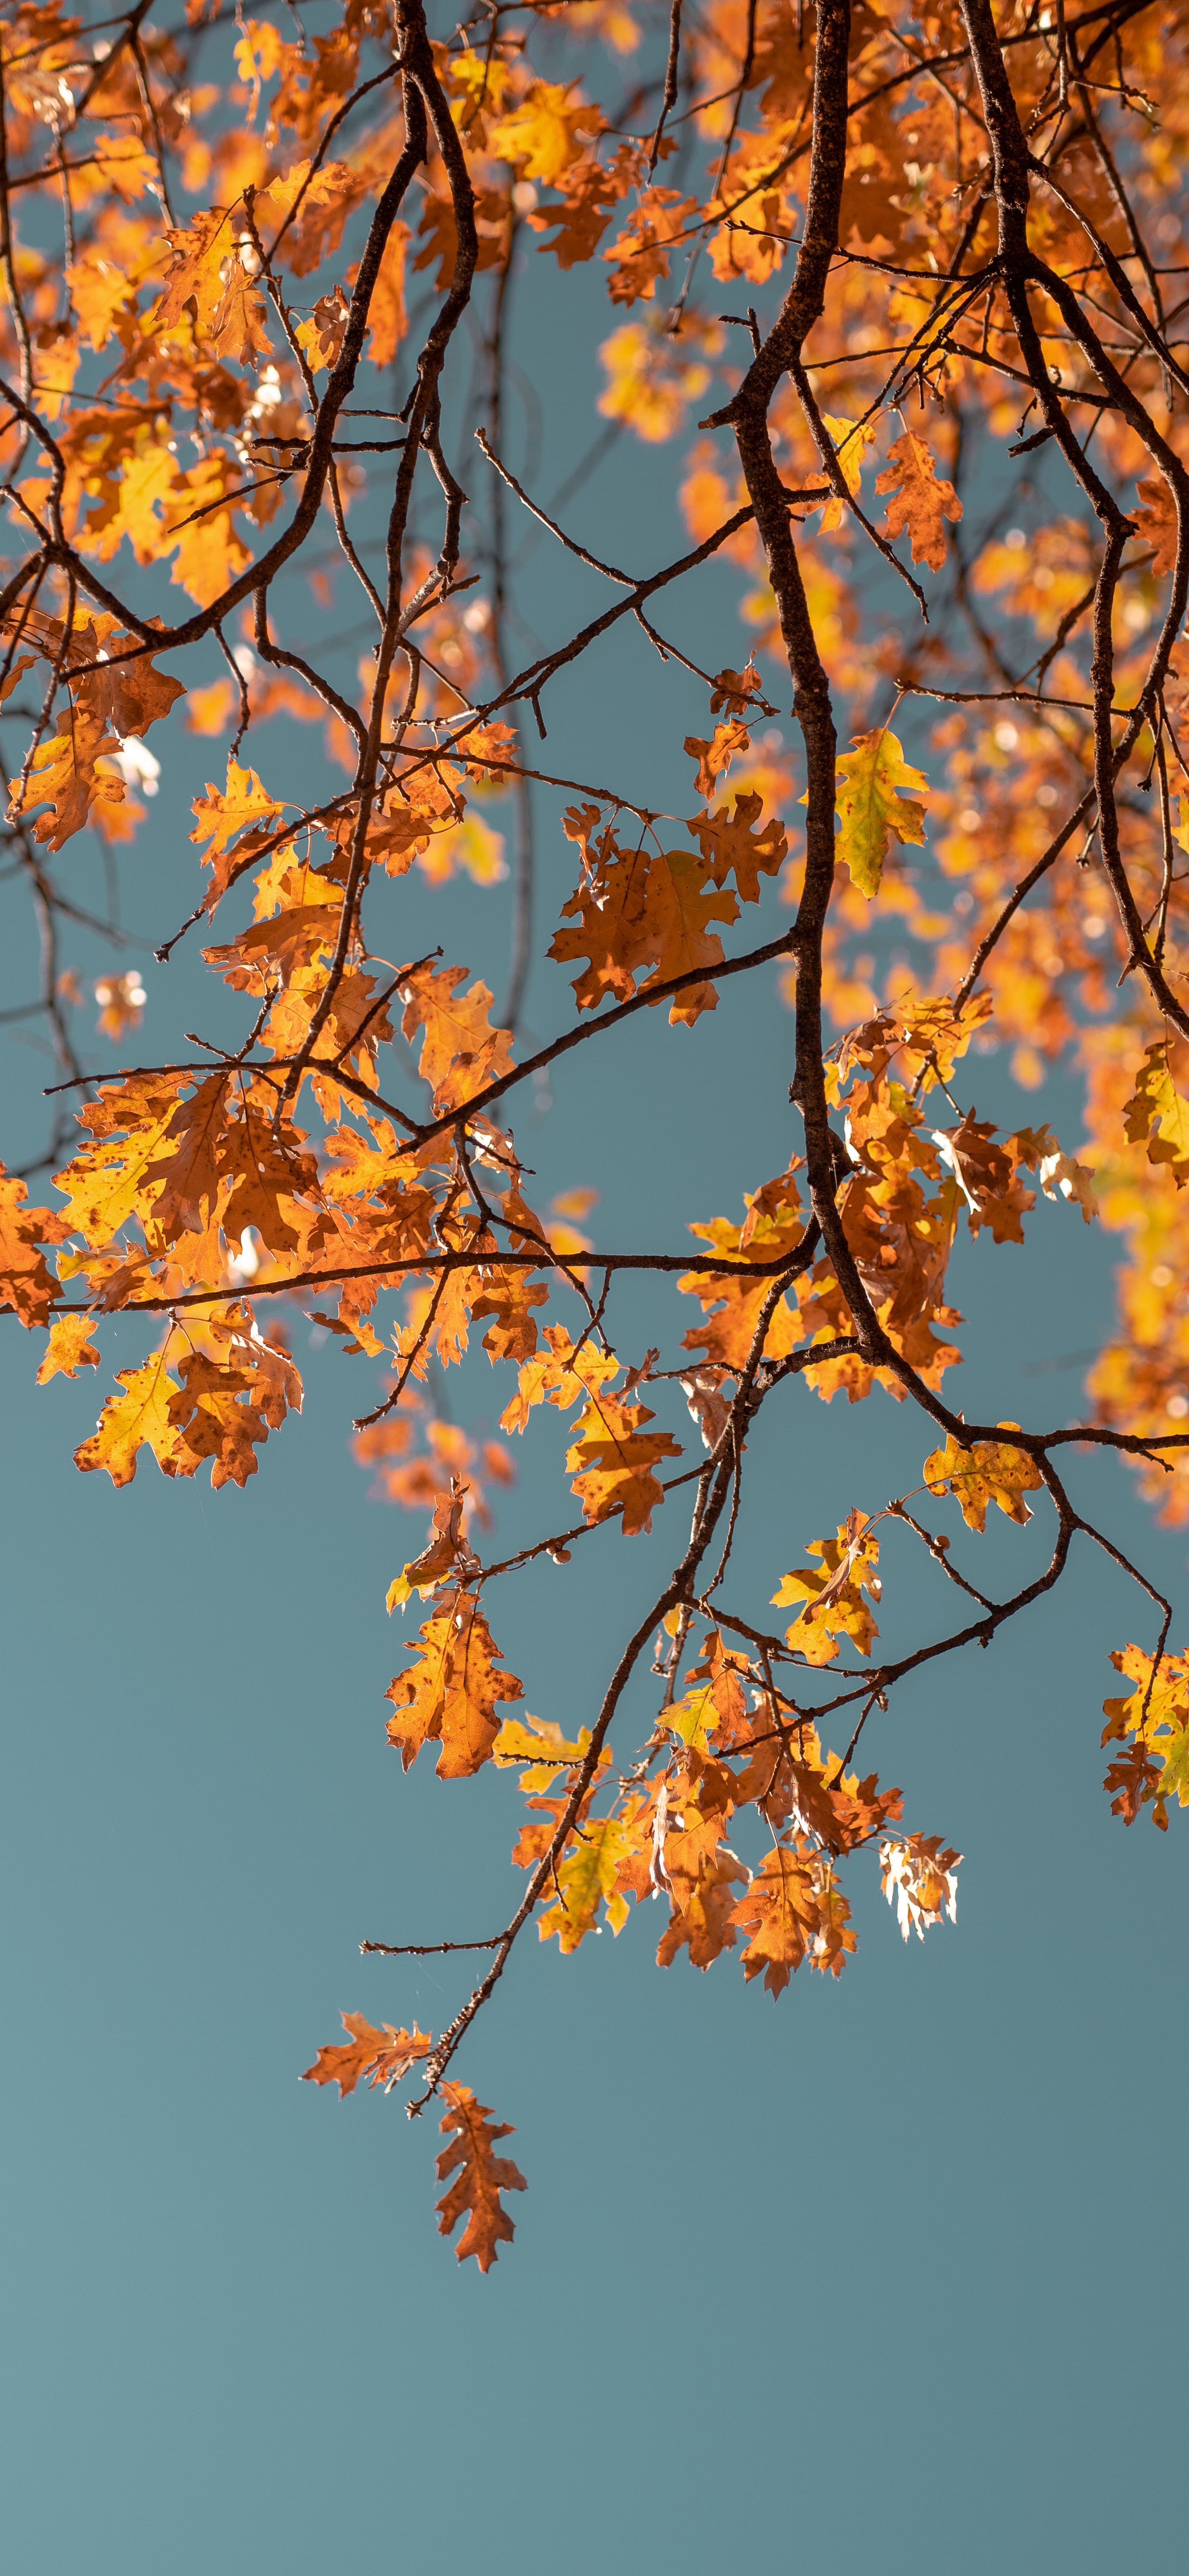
(887, 2270)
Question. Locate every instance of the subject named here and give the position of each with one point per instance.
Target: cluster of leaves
(250, 321)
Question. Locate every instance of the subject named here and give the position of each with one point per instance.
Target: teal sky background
(887, 2270)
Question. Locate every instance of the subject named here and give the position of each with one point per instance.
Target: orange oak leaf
(191, 1164)
(609, 932)
(70, 1348)
(782, 1914)
(921, 500)
(676, 939)
(224, 1412)
(703, 1908)
(643, 908)
(461, 1051)
(449, 1695)
(734, 690)
(221, 815)
(369, 2056)
(1156, 522)
(25, 1283)
(130, 695)
(614, 1458)
(480, 2176)
(713, 756)
(65, 775)
(445, 1552)
(589, 193)
(735, 841)
(559, 1374)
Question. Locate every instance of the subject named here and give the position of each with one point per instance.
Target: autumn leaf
(480, 2176)
(191, 1164)
(226, 1407)
(1155, 1766)
(986, 1177)
(461, 1052)
(243, 806)
(25, 1282)
(542, 1746)
(70, 1348)
(832, 1595)
(734, 690)
(610, 933)
(738, 842)
(559, 1373)
(1157, 1116)
(712, 1708)
(65, 774)
(614, 1456)
(781, 1914)
(716, 754)
(540, 135)
(1156, 522)
(211, 279)
(450, 1694)
(922, 500)
(645, 908)
(702, 1918)
(130, 695)
(872, 810)
(918, 1876)
(439, 1558)
(851, 439)
(375, 2057)
(990, 1471)
(139, 1418)
(584, 1880)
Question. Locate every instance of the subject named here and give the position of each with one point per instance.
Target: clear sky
(884, 2273)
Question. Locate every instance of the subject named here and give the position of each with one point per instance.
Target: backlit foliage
(902, 291)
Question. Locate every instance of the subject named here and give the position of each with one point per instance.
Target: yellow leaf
(586, 1878)
(543, 1746)
(541, 135)
(137, 1419)
(989, 1472)
(851, 440)
(1157, 1116)
(872, 811)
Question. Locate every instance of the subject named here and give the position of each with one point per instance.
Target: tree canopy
(903, 291)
